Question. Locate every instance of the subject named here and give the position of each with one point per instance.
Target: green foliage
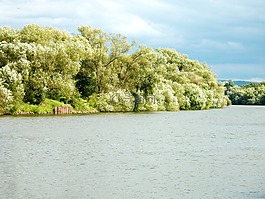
(6, 99)
(80, 104)
(99, 70)
(166, 97)
(46, 106)
(118, 101)
(100, 67)
(250, 94)
(8, 34)
(195, 97)
(13, 82)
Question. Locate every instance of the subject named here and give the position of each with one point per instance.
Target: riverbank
(48, 107)
(52, 113)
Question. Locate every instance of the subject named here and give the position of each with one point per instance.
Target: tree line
(249, 94)
(98, 70)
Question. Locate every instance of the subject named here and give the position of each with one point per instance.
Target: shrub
(196, 99)
(47, 106)
(118, 101)
(6, 99)
(80, 104)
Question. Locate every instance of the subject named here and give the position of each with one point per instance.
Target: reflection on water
(190, 154)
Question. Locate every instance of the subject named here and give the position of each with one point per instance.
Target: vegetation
(97, 70)
(250, 94)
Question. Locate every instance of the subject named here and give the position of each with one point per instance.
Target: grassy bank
(48, 106)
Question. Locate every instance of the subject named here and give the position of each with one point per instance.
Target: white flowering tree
(6, 99)
(12, 80)
(118, 101)
(105, 69)
(98, 73)
(47, 60)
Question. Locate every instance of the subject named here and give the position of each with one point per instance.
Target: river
(216, 153)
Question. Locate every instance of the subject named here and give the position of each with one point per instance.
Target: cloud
(47, 13)
(115, 17)
(135, 26)
(212, 31)
(223, 45)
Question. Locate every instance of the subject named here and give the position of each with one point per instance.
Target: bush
(80, 104)
(165, 97)
(47, 106)
(12, 80)
(6, 99)
(196, 99)
(118, 101)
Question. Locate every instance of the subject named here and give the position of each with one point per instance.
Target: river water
(189, 154)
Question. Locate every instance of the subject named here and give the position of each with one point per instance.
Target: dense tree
(6, 99)
(47, 59)
(12, 80)
(101, 70)
(98, 71)
(250, 94)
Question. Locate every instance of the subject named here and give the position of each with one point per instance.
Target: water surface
(190, 154)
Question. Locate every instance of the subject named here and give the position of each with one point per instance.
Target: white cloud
(111, 16)
(221, 30)
(135, 26)
(235, 45)
(223, 45)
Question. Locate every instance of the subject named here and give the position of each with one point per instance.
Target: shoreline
(94, 111)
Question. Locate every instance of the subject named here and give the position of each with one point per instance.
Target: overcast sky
(229, 35)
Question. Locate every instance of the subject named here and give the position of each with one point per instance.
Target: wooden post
(62, 110)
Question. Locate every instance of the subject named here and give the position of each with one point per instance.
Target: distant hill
(239, 82)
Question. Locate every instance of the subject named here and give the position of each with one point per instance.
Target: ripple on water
(202, 154)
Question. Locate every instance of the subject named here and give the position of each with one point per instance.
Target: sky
(228, 35)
